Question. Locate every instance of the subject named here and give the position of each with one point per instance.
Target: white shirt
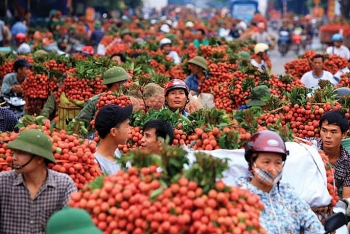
(24, 48)
(342, 51)
(108, 167)
(311, 82)
(260, 66)
(341, 72)
(174, 55)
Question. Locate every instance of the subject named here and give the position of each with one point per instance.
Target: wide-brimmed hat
(258, 93)
(199, 61)
(71, 221)
(115, 74)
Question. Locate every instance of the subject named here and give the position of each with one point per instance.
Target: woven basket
(66, 112)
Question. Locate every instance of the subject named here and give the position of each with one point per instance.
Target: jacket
(285, 212)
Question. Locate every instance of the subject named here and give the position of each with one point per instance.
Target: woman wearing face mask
(284, 211)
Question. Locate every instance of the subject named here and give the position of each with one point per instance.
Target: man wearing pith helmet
(31, 192)
(113, 78)
(198, 67)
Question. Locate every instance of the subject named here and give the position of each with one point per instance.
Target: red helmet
(88, 50)
(175, 84)
(21, 37)
(265, 141)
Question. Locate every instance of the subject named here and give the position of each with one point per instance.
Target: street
(278, 61)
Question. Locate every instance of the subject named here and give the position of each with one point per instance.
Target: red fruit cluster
(135, 202)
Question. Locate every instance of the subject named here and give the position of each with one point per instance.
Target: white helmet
(189, 24)
(260, 48)
(165, 28)
(164, 41)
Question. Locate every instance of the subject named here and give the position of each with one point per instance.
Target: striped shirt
(19, 214)
(341, 166)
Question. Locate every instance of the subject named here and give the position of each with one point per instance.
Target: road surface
(278, 61)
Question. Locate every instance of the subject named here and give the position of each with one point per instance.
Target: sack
(193, 104)
(64, 101)
(206, 100)
(153, 95)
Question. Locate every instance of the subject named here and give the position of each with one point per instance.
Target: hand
(46, 121)
(17, 88)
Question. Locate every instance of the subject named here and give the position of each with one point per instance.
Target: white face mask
(267, 178)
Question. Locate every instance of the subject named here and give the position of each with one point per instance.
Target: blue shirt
(19, 27)
(192, 83)
(285, 211)
(96, 36)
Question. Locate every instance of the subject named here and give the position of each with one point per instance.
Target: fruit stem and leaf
(206, 170)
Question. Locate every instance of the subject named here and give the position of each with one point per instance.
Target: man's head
(119, 57)
(261, 27)
(125, 35)
(155, 132)
(176, 94)
(317, 62)
(31, 148)
(197, 65)
(22, 67)
(165, 45)
(333, 128)
(337, 40)
(114, 78)
(258, 94)
(113, 121)
(261, 49)
(200, 34)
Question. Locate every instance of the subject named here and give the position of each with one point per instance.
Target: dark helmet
(175, 84)
(265, 141)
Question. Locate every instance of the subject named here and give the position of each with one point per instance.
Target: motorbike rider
(261, 57)
(333, 129)
(285, 211)
(11, 85)
(32, 192)
(21, 41)
(165, 47)
(262, 36)
(338, 48)
(176, 96)
(198, 67)
(285, 33)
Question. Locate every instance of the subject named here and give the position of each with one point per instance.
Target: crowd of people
(42, 194)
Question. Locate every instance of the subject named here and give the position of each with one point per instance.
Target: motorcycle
(283, 42)
(15, 104)
(297, 39)
(334, 222)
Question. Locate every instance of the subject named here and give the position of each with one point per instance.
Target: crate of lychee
(145, 199)
(74, 155)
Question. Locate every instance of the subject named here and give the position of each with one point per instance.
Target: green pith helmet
(40, 53)
(33, 141)
(258, 93)
(97, 24)
(125, 31)
(115, 74)
(244, 55)
(199, 61)
(71, 221)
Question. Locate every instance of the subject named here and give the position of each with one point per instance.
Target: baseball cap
(109, 116)
(21, 63)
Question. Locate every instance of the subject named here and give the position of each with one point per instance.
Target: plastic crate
(66, 113)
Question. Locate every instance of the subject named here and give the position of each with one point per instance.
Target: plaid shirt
(341, 166)
(19, 214)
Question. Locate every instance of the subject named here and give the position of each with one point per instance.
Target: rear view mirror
(334, 222)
